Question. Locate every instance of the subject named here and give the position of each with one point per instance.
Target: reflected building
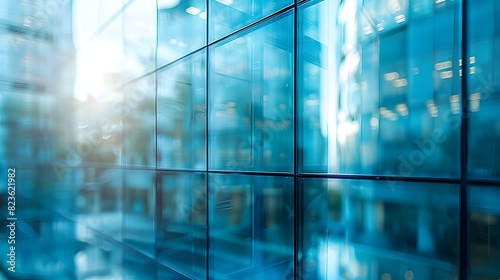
(228, 139)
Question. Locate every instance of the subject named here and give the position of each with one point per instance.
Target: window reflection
(181, 28)
(99, 63)
(374, 98)
(96, 95)
(484, 83)
(139, 20)
(98, 202)
(181, 114)
(182, 231)
(484, 232)
(226, 16)
(139, 208)
(365, 229)
(251, 97)
(250, 226)
(138, 121)
(89, 15)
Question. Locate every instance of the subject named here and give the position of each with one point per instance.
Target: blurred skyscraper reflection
(251, 139)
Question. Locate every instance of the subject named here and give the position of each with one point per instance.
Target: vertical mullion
(207, 147)
(295, 145)
(158, 191)
(464, 234)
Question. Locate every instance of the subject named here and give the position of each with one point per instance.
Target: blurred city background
(251, 139)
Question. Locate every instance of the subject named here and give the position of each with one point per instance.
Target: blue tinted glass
(251, 99)
(29, 252)
(138, 121)
(250, 226)
(226, 16)
(97, 199)
(139, 38)
(181, 114)
(139, 206)
(374, 98)
(484, 232)
(75, 253)
(97, 256)
(484, 84)
(181, 241)
(378, 230)
(181, 28)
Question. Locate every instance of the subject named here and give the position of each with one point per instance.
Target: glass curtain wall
(252, 139)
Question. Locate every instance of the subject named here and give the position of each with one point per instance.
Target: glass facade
(249, 139)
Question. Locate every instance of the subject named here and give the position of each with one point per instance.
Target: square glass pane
(181, 241)
(251, 99)
(378, 229)
(484, 232)
(181, 114)
(374, 98)
(138, 121)
(98, 201)
(484, 85)
(181, 28)
(226, 16)
(139, 206)
(250, 226)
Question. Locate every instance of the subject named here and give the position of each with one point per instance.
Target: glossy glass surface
(99, 62)
(484, 232)
(139, 35)
(251, 96)
(250, 226)
(138, 121)
(181, 114)
(226, 16)
(68, 246)
(155, 139)
(181, 28)
(89, 15)
(77, 253)
(182, 233)
(139, 210)
(97, 199)
(378, 230)
(374, 97)
(94, 105)
(484, 84)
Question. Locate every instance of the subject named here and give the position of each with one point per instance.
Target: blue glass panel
(181, 28)
(226, 16)
(484, 85)
(250, 226)
(373, 97)
(484, 232)
(251, 99)
(139, 38)
(139, 206)
(365, 229)
(181, 242)
(138, 121)
(99, 200)
(181, 114)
